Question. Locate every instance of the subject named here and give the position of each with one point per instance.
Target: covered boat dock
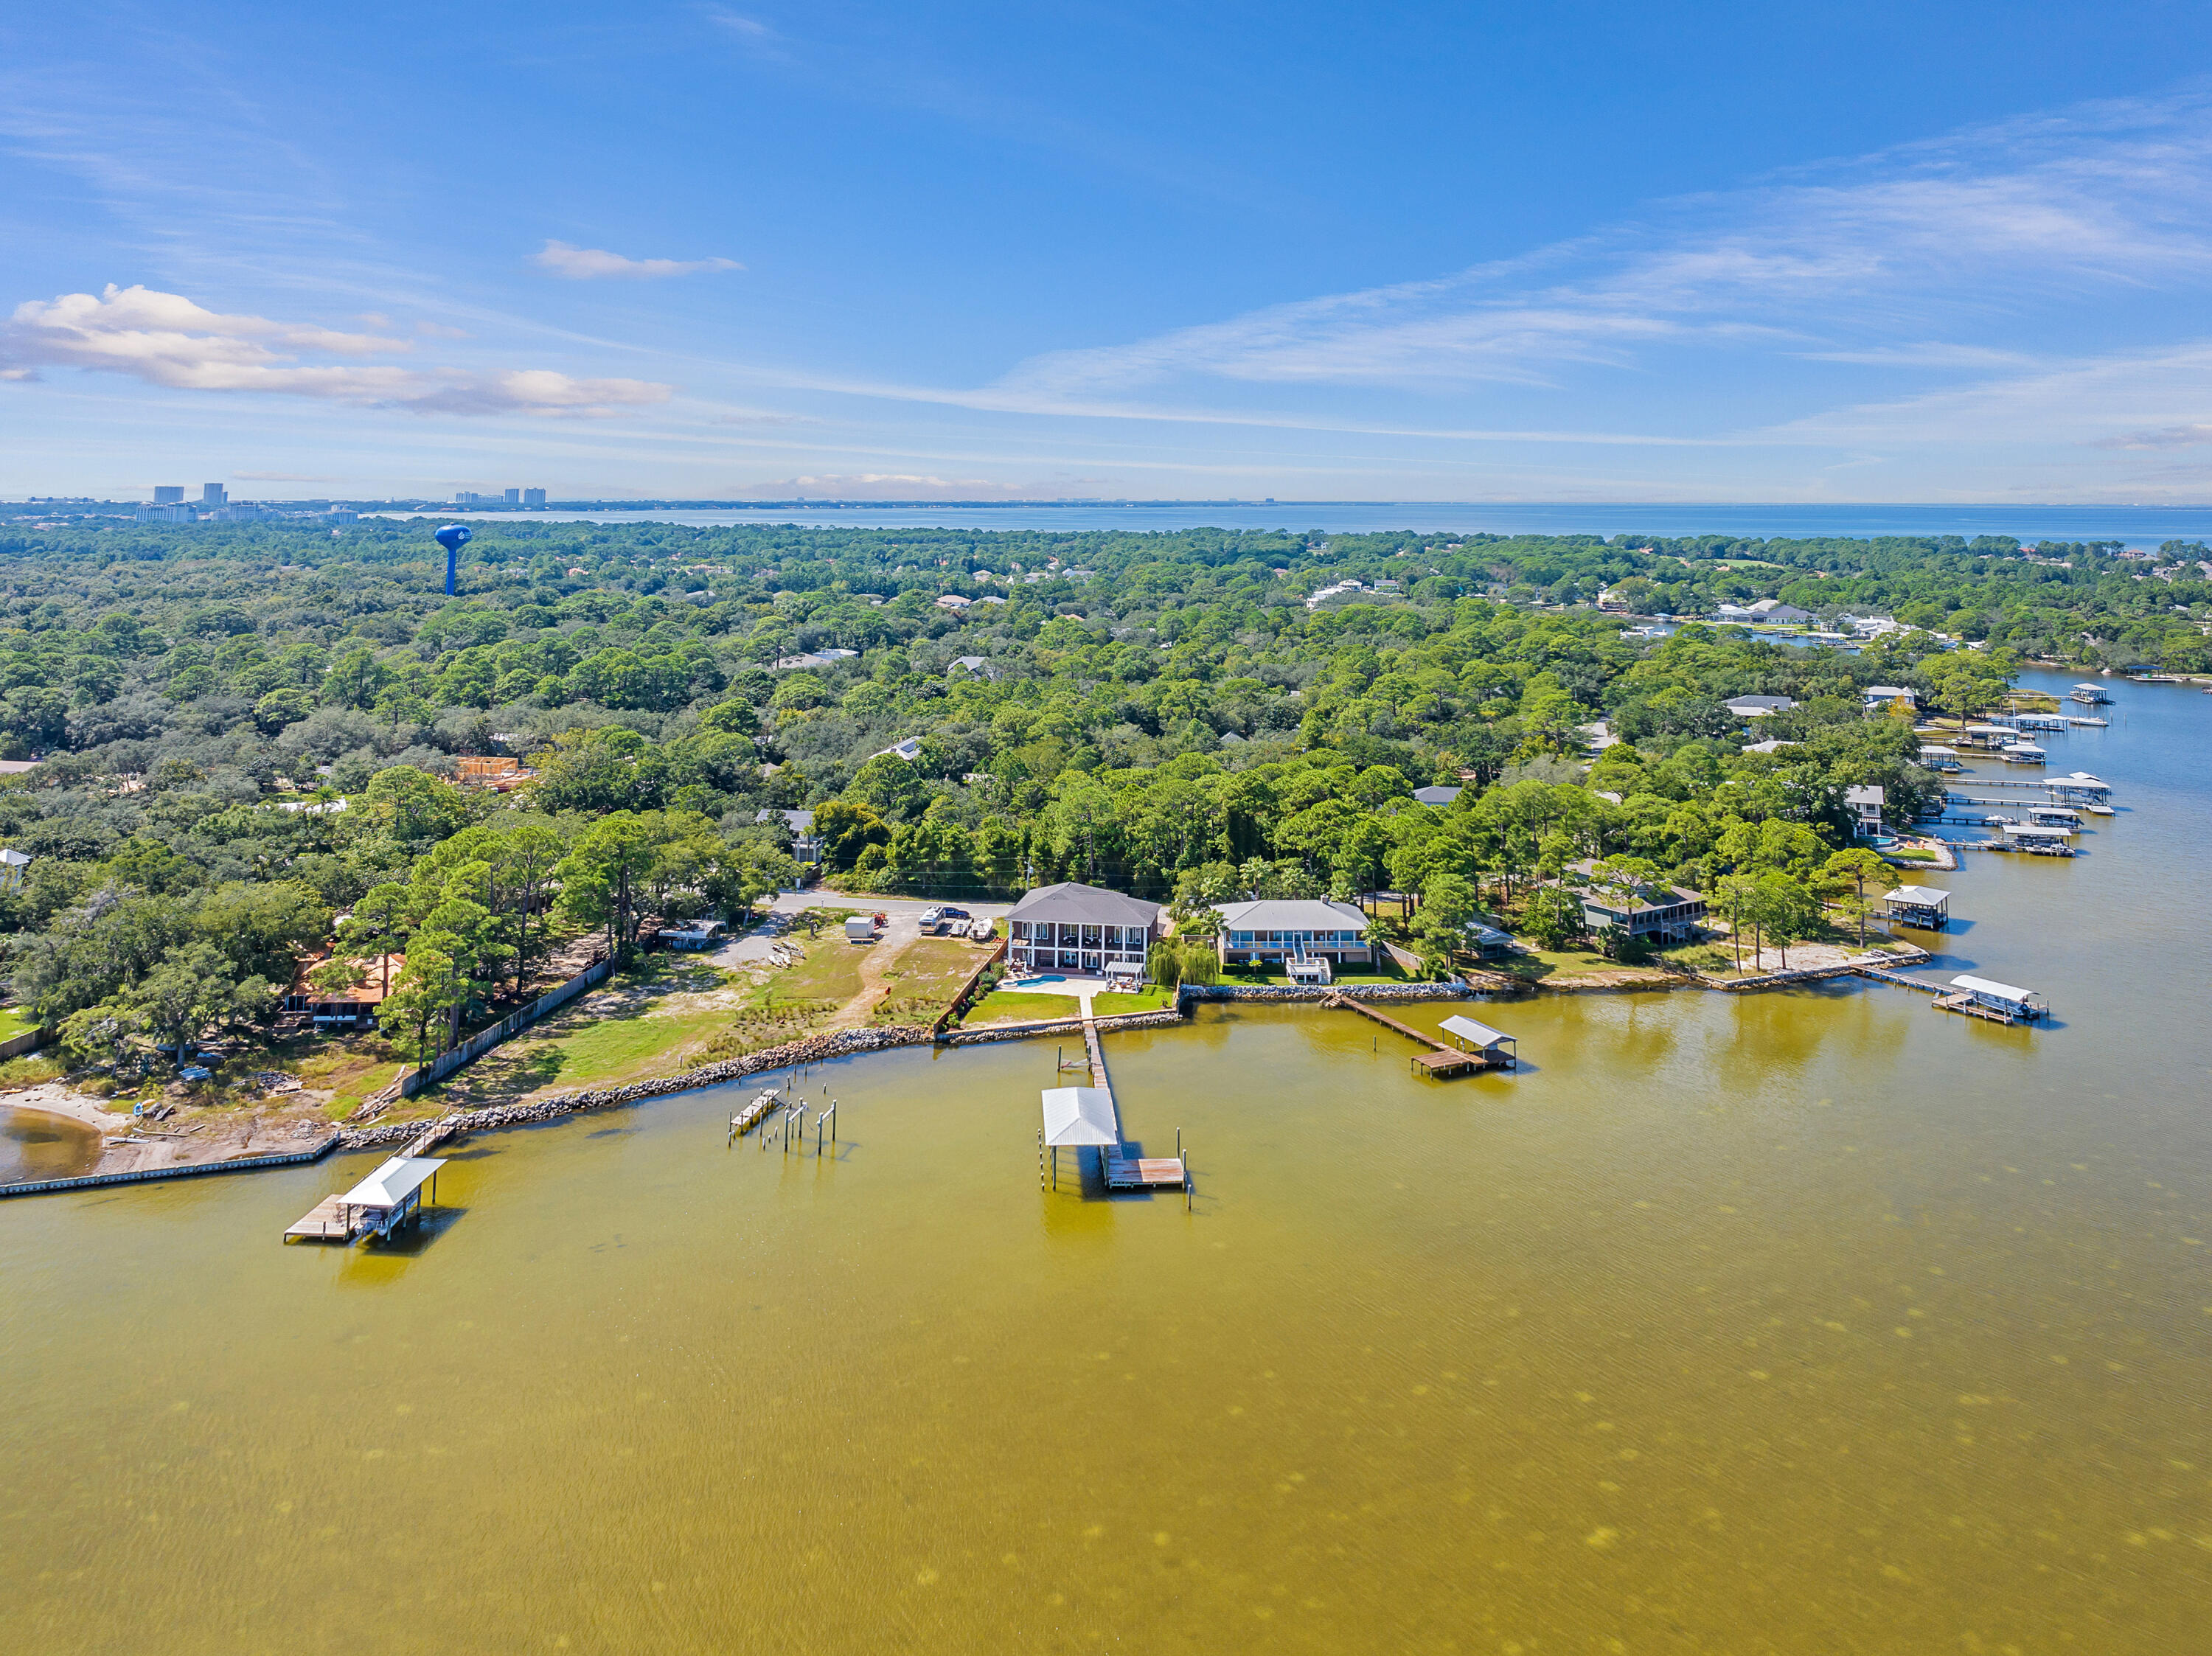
(388, 1198)
(1921, 906)
(2000, 1003)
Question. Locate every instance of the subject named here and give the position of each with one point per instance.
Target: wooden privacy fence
(16, 1046)
(513, 1024)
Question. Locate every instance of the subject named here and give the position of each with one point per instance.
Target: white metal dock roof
(1468, 1029)
(1926, 896)
(392, 1183)
(1996, 990)
(1080, 1115)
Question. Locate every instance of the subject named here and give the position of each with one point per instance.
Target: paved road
(794, 902)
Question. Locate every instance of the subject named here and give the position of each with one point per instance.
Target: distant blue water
(2136, 524)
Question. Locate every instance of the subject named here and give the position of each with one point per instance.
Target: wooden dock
(1441, 1060)
(1146, 1173)
(328, 1221)
(1121, 1170)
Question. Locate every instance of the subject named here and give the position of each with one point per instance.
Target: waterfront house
(1080, 928)
(1758, 706)
(1863, 805)
(1773, 610)
(1293, 929)
(1921, 906)
(1883, 695)
(353, 1007)
(1656, 913)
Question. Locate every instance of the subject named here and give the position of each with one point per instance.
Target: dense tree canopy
(1206, 712)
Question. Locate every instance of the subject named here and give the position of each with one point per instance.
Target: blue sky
(1581, 251)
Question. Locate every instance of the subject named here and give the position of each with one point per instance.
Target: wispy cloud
(586, 263)
(911, 486)
(1873, 262)
(167, 339)
(2167, 437)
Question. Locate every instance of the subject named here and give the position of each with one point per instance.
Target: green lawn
(14, 1022)
(1005, 1006)
(1538, 964)
(637, 1023)
(1150, 1000)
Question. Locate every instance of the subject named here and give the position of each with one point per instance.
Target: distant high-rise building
(168, 494)
(214, 495)
(166, 512)
(467, 497)
(514, 497)
(533, 497)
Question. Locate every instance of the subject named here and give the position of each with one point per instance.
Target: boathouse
(1294, 930)
(2079, 788)
(1921, 906)
(1498, 1049)
(2042, 841)
(1080, 928)
(2015, 1004)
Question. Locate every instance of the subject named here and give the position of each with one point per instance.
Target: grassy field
(925, 976)
(830, 972)
(352, 1068)
(1538, 965)
(14, 1022)
(640, 1022)
(1005, 1006)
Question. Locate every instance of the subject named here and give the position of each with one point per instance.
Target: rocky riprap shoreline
(1353, 992)
(812, 1050)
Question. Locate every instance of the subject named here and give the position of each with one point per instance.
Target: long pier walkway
(1441, 1060)
(1123, 1170)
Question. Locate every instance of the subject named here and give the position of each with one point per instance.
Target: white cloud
(166, 339)
(2194, 436)
(909, 486)
(586, 263)
(1872, 262)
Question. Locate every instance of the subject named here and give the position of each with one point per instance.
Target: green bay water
(1810, 1321)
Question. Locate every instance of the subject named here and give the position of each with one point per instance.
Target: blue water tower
(453, 537)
